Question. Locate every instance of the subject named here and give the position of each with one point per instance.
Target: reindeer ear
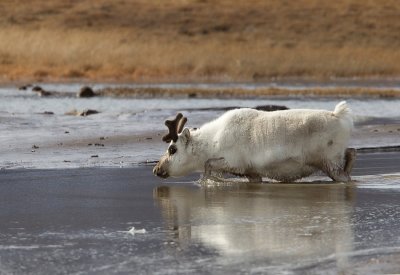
(185, 134)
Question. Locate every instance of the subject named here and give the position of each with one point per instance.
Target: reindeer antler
(175, 127)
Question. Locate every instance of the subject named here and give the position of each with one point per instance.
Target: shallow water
(80, 221)
(76, 221)
(130, 128)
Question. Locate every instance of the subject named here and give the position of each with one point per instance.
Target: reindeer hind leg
(339, 175)
(349, 157)
(335, 172)
(254, 178)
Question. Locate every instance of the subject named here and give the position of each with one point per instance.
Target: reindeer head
(176, 160)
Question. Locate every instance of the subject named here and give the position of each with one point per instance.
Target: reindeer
(282, 145)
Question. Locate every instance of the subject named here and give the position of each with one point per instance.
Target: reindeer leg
(213, 168)
(254, 178)
(335, 172)
(339, 175)
(350, 157)
(214, 165)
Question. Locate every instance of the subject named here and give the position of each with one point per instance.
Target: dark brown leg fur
(350, 157)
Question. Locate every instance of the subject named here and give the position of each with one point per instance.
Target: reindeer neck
(201, 146)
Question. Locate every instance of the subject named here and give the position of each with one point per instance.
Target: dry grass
(245, 93)
(199, 39)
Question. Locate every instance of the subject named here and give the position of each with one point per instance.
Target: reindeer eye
(172, 150)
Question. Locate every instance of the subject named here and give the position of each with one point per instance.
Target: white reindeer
(282, 145)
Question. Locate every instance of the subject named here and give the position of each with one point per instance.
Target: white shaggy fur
(282, 145)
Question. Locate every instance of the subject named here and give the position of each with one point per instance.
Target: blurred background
(198, 40)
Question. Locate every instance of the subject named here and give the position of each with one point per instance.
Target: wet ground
(79, 221)
(40, 132)
(95, 219)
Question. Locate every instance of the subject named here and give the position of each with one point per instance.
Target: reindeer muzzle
(159, 172)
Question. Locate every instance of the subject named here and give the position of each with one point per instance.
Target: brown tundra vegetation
(213, 40)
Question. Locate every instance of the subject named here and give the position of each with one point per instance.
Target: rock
(46, 113)
(40, 91)
(270, 108)
(35, 146)
(24, 87)
(44, 93)
(86, 91)
(37, 89)
(88, 112)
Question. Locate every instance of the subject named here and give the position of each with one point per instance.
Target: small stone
(86, 91)
(35, 146)
(37, 89)
(88, 112)
(40, 91)
(94, 156)
(24, 87)
(44, 93)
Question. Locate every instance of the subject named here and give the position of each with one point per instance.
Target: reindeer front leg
(215, 165)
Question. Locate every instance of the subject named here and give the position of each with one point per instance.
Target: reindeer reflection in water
(278, 224)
